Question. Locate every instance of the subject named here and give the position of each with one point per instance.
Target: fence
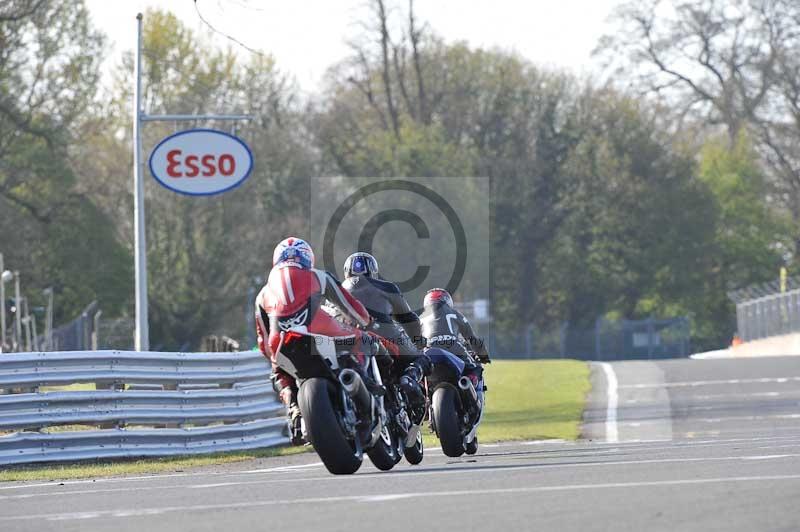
(607, 340)
(144, 404)
(768, 314)
(79, 334)
(115, 333)
(89, 331)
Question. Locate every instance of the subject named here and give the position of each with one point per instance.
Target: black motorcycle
(341, 399)
(405, 424)
(457, 404)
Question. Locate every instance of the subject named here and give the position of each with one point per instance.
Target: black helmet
(437, 295)
(360, 264)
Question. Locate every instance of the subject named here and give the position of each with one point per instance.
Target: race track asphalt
(700, 445)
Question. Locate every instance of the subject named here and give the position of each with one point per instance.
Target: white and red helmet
(437, 295)
(294, 250)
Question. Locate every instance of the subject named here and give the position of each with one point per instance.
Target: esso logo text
(201, 162)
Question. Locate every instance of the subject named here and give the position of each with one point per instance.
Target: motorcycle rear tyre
(416, 452)
(324, 430)
(445, 419)
(472, 447)
(384, 455)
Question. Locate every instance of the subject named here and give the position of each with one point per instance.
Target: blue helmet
(360, 264)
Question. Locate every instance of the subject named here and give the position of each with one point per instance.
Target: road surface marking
(569, 446)
(779, 380)
(387, 497)
(765, 457)
(745, 418)
(382, 476)
(736, 395)
(612, 434)
(283, 468)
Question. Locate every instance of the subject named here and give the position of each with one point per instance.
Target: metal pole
(18, 313)
(48, 334)
(2, 306)
(142, 335)
(28, 346)
(96, 330)
(192, 118)
(32, 317)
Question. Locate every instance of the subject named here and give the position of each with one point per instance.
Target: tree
(750, 236)
(634, 233)
(477, 113)
(204, 253)
(49, 69)
(730, 64)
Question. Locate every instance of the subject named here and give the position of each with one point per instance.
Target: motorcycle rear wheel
(383, 454)
(445, 419)
(472, 447)
(416, 452)
(340, 456)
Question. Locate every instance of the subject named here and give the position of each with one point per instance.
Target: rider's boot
(410, 384)
(288, 398)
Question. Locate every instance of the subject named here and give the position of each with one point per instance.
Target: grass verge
(534, 399)
(108, 468)
(531, 400)
(527, 400)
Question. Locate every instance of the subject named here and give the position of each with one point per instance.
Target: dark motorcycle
(341, 399)
(405, 424)
(457, 404)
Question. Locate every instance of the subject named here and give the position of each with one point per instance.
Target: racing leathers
(445, 327)
(292, 297)
(394, 319)
(397, 324)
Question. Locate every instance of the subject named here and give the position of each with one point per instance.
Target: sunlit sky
(307, 36)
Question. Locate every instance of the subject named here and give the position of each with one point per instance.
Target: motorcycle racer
(446, 327)
(393, 318)
(292, 297)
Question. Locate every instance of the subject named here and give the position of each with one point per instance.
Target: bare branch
(386, 70)
(415, 34)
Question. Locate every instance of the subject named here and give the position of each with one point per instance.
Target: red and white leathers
(292, 297)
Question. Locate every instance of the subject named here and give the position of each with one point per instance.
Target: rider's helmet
(360, 264)
(437, 295)
(295, 250)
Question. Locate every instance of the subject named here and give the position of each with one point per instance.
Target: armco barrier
(154, 404)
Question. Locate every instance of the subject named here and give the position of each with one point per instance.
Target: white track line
(283, 468)
(411, 472)
(374, 498)
(612, 434)
(764, 380)
(706, 397)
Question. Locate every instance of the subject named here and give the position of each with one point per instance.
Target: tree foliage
(49, 61)
(651, 196)
(728, 64)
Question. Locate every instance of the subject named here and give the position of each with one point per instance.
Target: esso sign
(201, 162)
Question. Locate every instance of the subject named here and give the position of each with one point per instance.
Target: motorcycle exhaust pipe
(465, 384)
(354, 386)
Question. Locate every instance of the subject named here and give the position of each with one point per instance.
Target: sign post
(2, 304)
(142, 330)
(142, 338)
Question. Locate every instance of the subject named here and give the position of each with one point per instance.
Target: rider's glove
(420, 342)
(423, 362)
